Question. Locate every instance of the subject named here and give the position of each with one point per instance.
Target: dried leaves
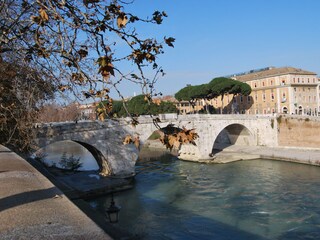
(173, 137)
(105, 67)
(132, 140)
(122, 20)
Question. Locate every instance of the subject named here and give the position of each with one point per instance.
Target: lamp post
(113, 211)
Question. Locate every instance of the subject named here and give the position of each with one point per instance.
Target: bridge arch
(67, 145)
(233, 134)
(98, 156)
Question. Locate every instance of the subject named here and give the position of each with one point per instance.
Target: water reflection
(257, 199)
(54, 152)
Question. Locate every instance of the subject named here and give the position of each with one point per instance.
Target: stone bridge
(216, 131)
(105, 139)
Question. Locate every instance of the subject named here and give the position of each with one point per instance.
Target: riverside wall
(298, 131)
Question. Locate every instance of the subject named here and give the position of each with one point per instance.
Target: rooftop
(269, 72)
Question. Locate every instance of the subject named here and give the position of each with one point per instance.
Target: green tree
(139, 105)
(192, 93)
(222, 86)
(215, 88)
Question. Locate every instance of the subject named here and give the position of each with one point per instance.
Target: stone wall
(295, 131)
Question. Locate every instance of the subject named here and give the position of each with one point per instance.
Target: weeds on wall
(279, 119)
(272, 123)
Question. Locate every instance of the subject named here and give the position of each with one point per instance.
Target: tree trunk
(221, 110)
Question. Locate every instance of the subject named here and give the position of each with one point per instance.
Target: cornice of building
(271, 72)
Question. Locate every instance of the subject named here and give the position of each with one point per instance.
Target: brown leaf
(122, 20)
(43, 15)
(127, 140)
(169, 41)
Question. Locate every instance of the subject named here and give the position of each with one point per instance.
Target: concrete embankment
(233, 153)
(309, 156)
(31, 207)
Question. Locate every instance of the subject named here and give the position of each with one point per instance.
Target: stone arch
(98, 156)
(233, 134)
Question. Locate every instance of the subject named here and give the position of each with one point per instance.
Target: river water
(257, 199)
(173, 199)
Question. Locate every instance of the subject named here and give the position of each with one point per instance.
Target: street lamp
(113, 211)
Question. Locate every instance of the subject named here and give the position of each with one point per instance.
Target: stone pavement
(31, 207)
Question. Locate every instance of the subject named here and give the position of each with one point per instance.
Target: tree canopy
(190, 93)
(139, 105)
(215, 88)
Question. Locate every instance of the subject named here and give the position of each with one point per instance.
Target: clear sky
(222, 37)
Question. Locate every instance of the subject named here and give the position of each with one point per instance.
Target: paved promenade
(31, 207)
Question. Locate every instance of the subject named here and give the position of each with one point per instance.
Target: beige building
(285, 90)
(87, 111)
(280, 90)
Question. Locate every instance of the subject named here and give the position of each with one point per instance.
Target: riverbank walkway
(31, 207)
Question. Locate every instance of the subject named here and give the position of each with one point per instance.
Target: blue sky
(222, 37)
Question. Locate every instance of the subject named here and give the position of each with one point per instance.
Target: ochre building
(285, 90)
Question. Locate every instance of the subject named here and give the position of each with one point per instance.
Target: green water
(258, 199)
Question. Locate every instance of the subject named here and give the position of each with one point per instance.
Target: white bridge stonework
(104, 139)
(249, 130)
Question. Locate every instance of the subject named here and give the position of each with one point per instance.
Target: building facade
(284, 90)
(87, 111)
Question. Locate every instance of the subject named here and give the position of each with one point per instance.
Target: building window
(295, 89)
(264, 96)
(298, 80)
(241, 98)
(263, 84)
(248, 98)
(294, 80)
(255, 85)
(272, 96)
(256, 97)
